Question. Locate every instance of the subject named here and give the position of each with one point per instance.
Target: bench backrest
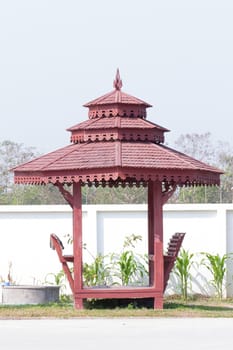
(171, 254)
(175, 244)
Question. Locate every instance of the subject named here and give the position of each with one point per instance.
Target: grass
(173, 307)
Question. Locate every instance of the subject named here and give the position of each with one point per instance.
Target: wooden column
(77, 244)
(155, 239)
(151, 232)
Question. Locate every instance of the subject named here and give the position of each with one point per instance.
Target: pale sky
(56, 55)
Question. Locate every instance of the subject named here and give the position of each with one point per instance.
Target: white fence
(25, 231)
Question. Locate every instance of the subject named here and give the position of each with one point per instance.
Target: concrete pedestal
(19, 295)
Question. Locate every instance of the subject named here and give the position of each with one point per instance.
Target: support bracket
(168, 192)
(66, 194)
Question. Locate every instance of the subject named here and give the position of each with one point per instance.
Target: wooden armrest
(68, 258)
(54, 238)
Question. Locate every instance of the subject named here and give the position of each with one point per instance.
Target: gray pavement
(111, 334)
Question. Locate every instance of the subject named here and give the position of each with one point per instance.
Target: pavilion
(118, 146)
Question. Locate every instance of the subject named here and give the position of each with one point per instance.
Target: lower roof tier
(116, 161)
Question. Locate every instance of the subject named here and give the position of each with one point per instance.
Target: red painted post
(158, 241)
(151, 232)
(77, 244)
(155, 241)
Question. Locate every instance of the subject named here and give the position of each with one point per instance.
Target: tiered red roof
(117, 144)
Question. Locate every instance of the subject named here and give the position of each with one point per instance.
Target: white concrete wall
(25, 231)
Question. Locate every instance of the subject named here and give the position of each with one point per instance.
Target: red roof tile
(112, 122)
(120, 157)
(115, 97)
(104, 154)
(130, 151)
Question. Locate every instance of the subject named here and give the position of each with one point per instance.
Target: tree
(11, 155)
(200, 146)
(31, 194)
(225, 158)
(114, 195)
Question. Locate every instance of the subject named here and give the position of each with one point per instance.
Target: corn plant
(124, 268)
(130, 268)
(56, 279)
(127, 266)
(182, 268)
(216, 264)
(96, 273)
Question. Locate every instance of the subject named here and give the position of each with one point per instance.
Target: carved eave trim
(123, 134)
(187, 178)
(117, 111)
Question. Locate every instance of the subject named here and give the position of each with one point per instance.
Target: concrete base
(21, 295)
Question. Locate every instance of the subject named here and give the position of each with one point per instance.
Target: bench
(169, 258)
(173, 249)
(56, 244)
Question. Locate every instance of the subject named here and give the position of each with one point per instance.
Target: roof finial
(117, 82)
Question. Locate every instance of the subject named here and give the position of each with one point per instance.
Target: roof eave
(187, 177)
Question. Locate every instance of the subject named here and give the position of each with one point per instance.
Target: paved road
(111, 334)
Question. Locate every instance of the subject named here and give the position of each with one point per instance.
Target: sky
(56, 55)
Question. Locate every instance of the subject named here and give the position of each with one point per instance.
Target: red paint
(77, 243)
(171, 254)
(64, 259)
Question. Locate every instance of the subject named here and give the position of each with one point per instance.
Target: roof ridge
(63, 155)
(92, 102)
(146, 121)
(87, 121)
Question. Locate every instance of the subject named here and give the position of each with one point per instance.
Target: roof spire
(117, 84)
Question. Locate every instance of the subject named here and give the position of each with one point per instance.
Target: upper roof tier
(117, 128)
(117, 116)
(117, 103)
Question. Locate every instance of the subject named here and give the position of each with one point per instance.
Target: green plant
(124, 268)
(96, 273)
(56, 279)
(130, 268)
(127, 267)
(182, 268)
(216, 264)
